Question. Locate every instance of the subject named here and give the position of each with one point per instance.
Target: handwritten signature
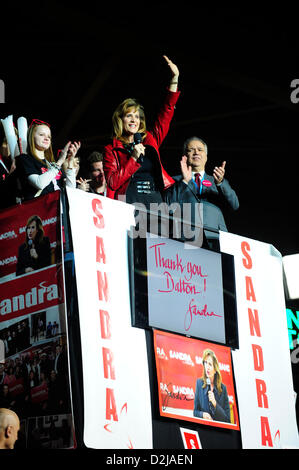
(175, 395)
(194, 311)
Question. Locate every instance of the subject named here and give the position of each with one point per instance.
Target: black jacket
(25, 260)
(213, 198)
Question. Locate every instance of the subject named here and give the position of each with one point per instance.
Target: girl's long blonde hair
(48, 153)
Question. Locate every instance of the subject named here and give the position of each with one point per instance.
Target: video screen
(195, 380)
(190, 291)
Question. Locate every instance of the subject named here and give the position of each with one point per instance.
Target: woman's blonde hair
(48, 153)
(217, 377)
(129, 104)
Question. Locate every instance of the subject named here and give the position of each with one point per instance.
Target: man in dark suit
(195, 186)
(60, 363)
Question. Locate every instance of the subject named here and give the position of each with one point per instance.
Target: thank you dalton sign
(185, 289)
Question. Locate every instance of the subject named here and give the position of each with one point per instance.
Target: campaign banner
(44, 213)
(117, 405)
(34, 374)
(26, 294)
(16, 387)
(195, 381)
(39, 393)
(262, 363)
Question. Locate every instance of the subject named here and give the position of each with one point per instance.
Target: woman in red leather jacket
(132, 165)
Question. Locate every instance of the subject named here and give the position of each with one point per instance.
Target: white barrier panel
(291, 271)
(262, 365)
(117, 405)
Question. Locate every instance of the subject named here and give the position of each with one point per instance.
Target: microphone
(211, 407)
(138, 140)
(30, 243)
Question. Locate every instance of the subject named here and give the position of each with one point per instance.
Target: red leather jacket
(119, 166)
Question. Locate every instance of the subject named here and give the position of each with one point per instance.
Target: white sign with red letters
(117, 405)
(262, 365)
(190, 439)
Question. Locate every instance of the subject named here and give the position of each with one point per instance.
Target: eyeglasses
(38, 122)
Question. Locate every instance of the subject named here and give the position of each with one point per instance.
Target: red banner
(16, 387)
(13, 223)
(39, 393)
(36, 291)
(34, 379)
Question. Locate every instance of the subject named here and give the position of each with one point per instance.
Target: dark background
(71, 66)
